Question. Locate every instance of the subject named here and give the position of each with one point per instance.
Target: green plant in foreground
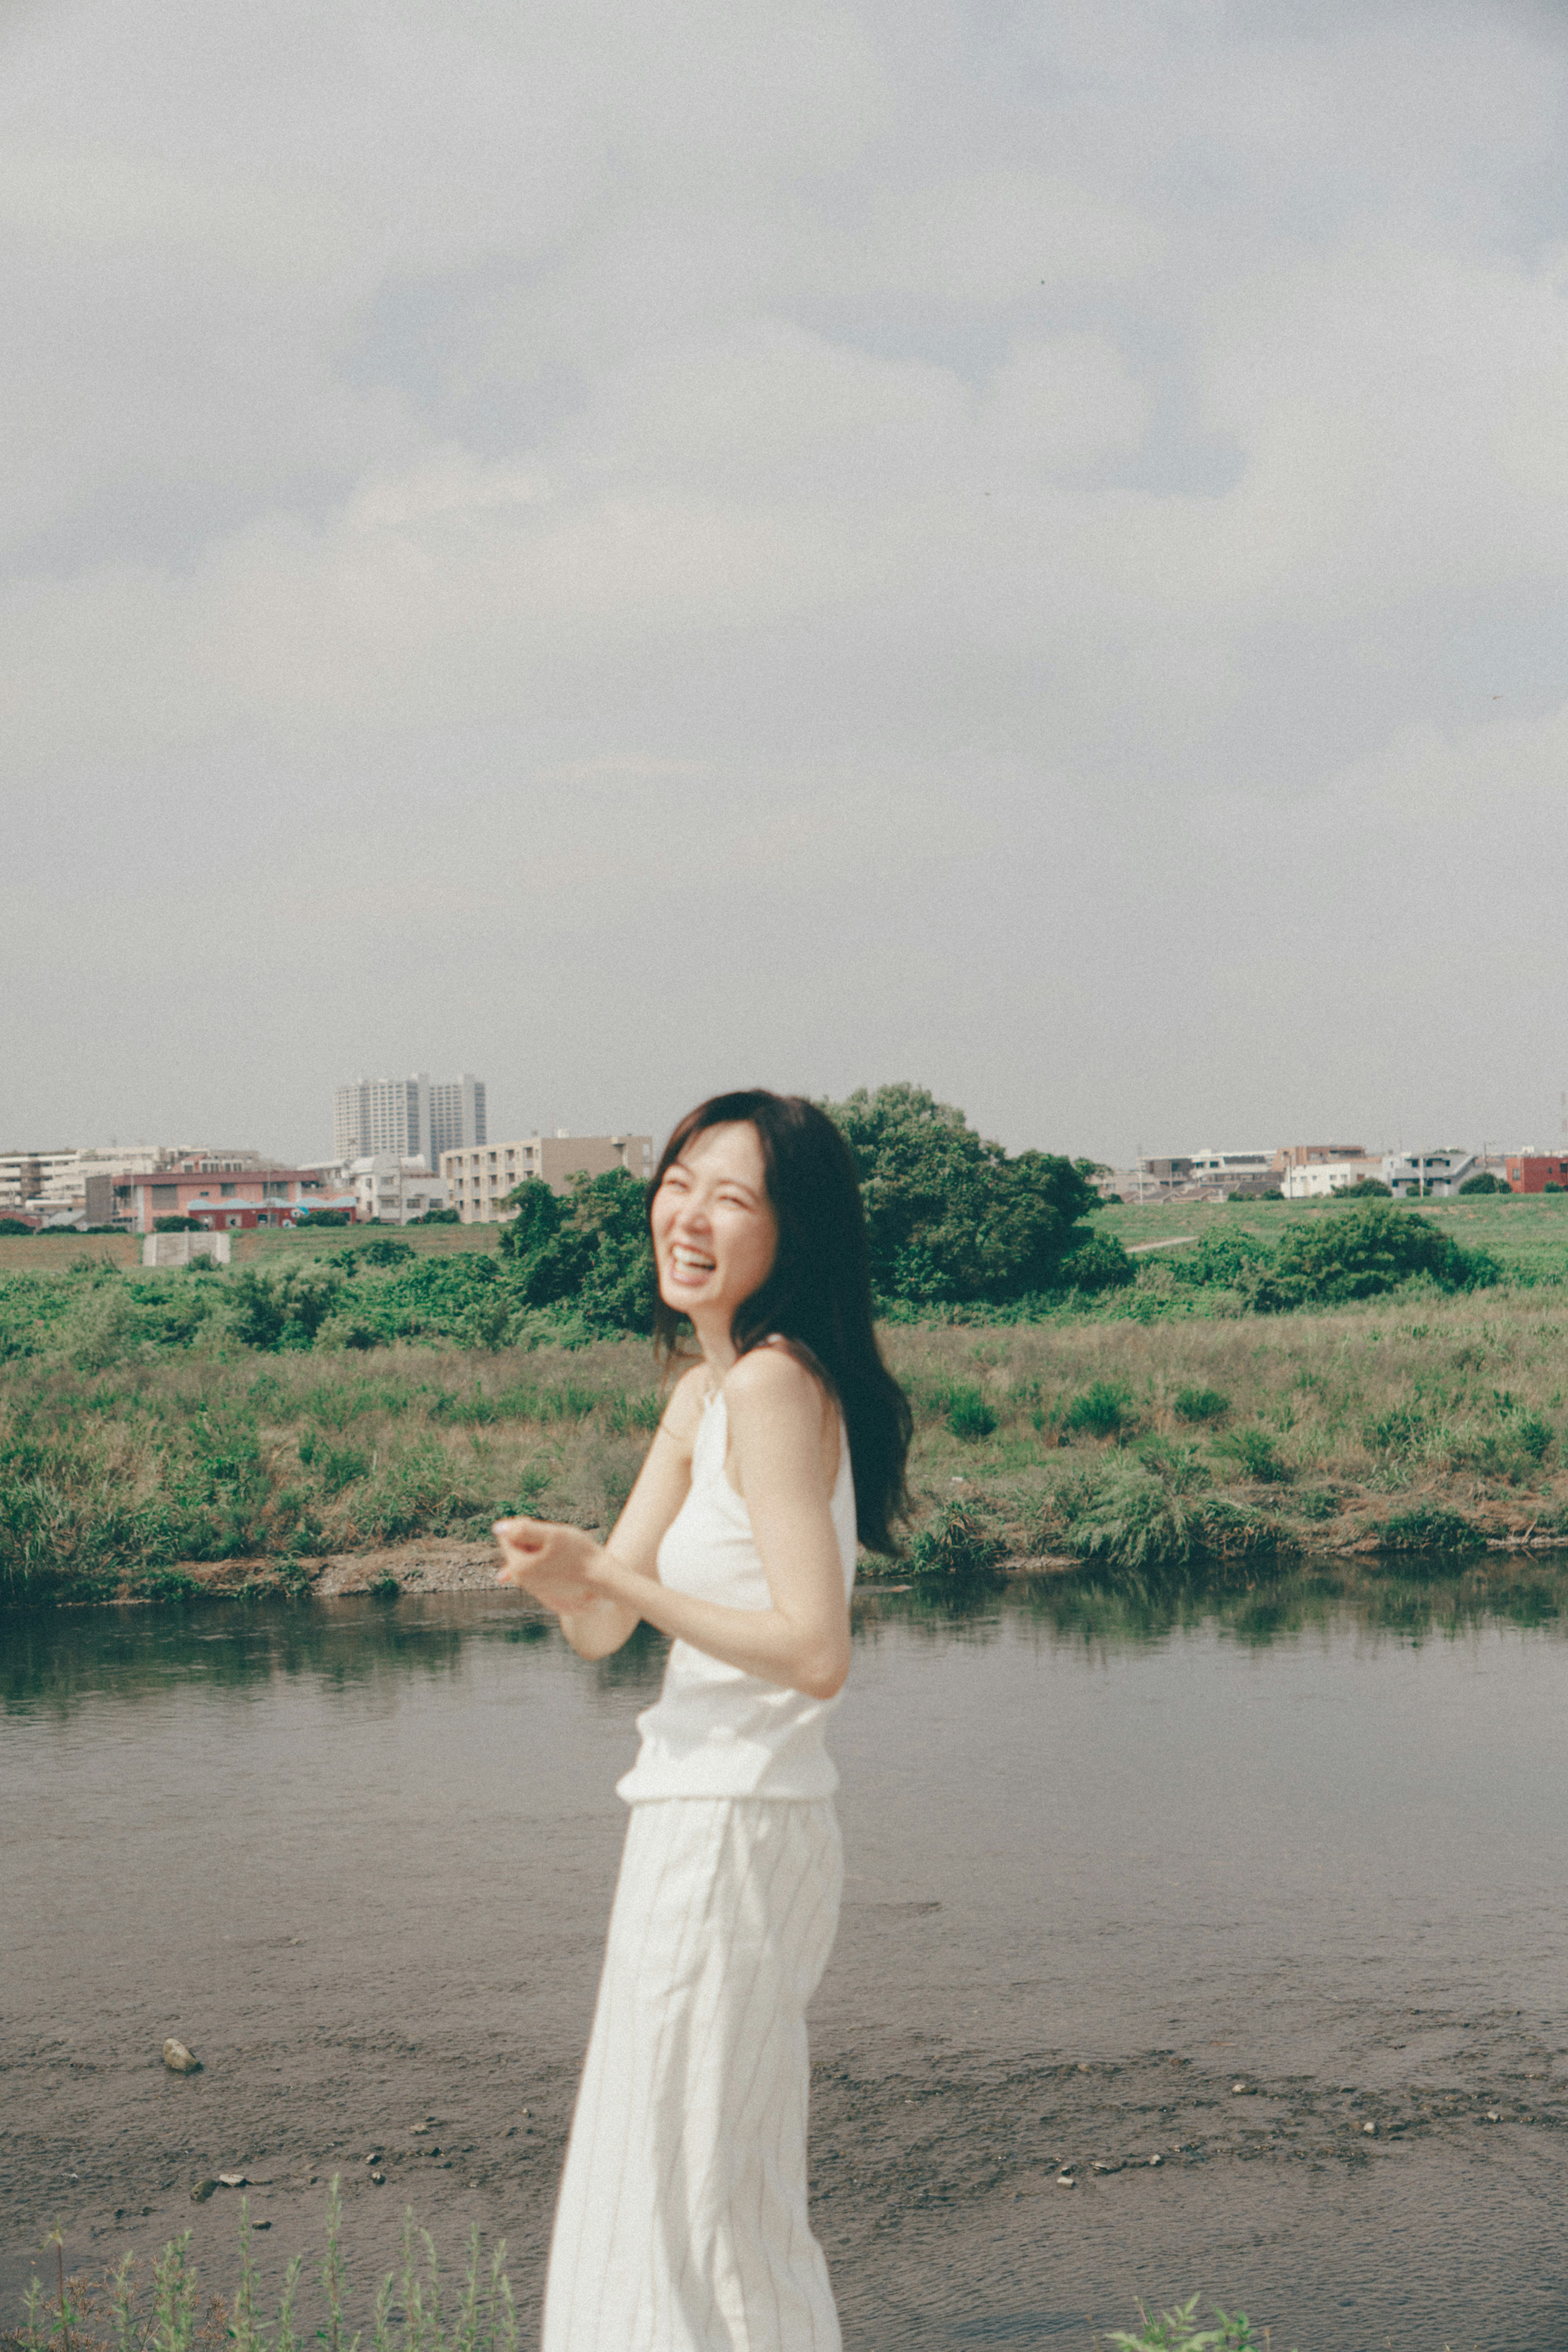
(1199, 1404)
(958, 1541)
(409, 2315)
(969, 1416)
(1102, 1411)
(1133, 1519)
(1178, 2331)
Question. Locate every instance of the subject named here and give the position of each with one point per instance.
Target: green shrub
(1486, 1183)
(1365, 1187)
(1133, 1520)
(335, 1466)
(1401, 1429)
(1193, 1405)
(381, 1252)
(960, 1539)
(1221, 1260)
(1426, 1526)
(1181, 1466)
(1362, 1255)
(1257, 1455)
(1102, 1411)
(1099, 1264)
(16, 1225)
(1178, 2331)
(968, 1415)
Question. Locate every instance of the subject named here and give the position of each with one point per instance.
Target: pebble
(179, 2060)
(1369, 2129)
(1157, 2160)
(202, 2192)
(1493, 2116)
(1237, 2089)
(378, 2178)
(1065, 2181)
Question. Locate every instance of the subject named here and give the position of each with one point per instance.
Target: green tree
(949, 1216)
(590, 1249)
(537, 1222)
(1486, 1183)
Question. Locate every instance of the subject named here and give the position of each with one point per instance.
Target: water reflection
(51, 1662)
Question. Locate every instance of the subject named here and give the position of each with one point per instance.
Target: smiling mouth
(691, 1262)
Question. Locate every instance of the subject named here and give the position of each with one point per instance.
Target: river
(1107, 1860)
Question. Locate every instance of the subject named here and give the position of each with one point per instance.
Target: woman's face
(715, 1233)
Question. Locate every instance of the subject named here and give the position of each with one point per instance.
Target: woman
(682, 2223)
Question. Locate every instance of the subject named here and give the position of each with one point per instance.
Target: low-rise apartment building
(393, 1192)
(272, 1194)
(77, 1184)
(1428, 1175)
(478, 1181)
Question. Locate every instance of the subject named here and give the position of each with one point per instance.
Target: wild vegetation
(1144, 1388)
(1417, 1426)
(414, 2311)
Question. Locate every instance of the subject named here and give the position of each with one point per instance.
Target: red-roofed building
(251, 1196)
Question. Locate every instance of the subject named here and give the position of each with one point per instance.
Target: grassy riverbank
(1411, 1426)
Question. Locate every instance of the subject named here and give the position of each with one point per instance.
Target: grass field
(1528, 1233)
(1146, 1447)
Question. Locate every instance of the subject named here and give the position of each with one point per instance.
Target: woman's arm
(776, 1418)
(549, 1560)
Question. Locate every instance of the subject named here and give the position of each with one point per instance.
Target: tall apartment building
(407, 1119)
(477, 1182)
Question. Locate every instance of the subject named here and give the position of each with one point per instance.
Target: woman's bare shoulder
(772, 1377)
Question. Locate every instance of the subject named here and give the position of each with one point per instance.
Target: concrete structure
(279, 1192)
(1316, 1179)
(477, 1182)
(1429, 1175)
(179, 1249)
(394, 1191)
(1532, 1172)
(407, 1119)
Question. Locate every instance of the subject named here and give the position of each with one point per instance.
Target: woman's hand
(553, 1562)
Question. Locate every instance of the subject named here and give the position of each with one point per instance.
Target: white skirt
(682, 2221)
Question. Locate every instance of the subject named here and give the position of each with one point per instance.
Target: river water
(1107, 1859)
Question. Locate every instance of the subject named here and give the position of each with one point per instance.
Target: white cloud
(910, 441)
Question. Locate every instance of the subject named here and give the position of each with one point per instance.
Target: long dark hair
(817, 1294)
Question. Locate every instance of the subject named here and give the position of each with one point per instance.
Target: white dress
(682, 2223)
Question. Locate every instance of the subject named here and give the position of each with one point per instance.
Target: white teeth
(691, 1259)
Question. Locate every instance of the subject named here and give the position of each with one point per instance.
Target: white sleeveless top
(714, 1732)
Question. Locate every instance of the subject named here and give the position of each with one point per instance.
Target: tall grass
(1127, 1444)
(111, 1476)
(179, 2314)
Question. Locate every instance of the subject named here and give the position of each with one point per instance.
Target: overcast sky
(637, 550)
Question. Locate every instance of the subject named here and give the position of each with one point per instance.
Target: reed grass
(1419, 1424)
(178, 2313)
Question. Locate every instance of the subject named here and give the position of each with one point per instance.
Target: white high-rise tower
(410, 1119)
